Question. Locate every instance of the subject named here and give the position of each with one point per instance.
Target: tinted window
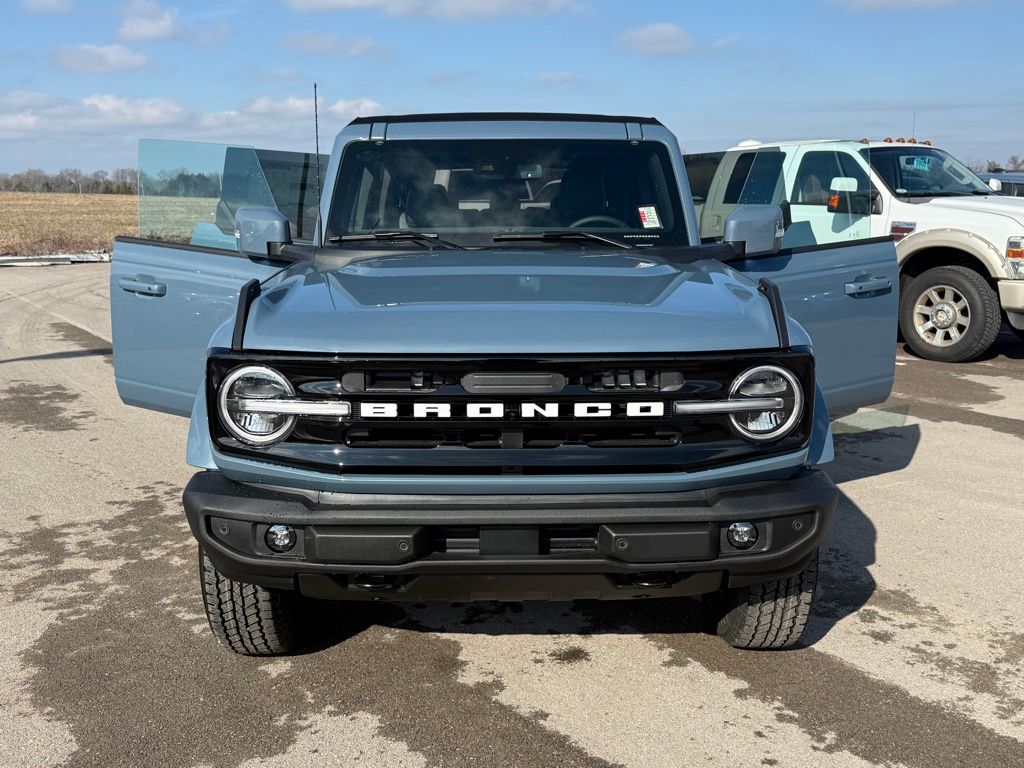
(738, 178)
(470, 190)
(700, 172)
(817, 169)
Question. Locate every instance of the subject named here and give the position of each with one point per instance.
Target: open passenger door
(175, 284)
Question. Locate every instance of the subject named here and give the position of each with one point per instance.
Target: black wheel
(768, 616)
(949, 314)
(249, 619)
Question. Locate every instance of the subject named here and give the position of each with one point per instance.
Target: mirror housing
(995, 185)
(261, 232)
(755, 230)
(852, 201)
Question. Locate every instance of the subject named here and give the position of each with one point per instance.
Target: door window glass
(189, 192)
(816, 172)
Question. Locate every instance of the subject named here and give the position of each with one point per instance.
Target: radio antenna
(319, 192)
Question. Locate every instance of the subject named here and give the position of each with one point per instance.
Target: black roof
(447, 117)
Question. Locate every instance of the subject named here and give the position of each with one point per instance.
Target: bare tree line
(1015, 163)
(120, 181)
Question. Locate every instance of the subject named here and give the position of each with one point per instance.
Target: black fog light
(742, 535)
(280, 538)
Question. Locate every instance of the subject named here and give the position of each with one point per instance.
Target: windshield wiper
(561, 235)
(403, 234)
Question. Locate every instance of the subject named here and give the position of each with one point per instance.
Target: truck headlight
(247, 401)
(771, 386)
(1015, 257)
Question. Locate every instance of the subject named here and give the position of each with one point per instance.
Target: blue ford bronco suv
(493, 360)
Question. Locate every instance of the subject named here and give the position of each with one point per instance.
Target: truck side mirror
(755, 230)
(261, 232)
(843, 197)
(995, 185)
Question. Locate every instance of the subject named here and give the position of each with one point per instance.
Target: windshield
(470, 191)
(923, 172)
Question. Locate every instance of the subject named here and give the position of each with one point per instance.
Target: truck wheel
(249, 619)
(950, 314)
(768, 616)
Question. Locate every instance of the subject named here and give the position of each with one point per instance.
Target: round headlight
(245, 405)
(780, 403)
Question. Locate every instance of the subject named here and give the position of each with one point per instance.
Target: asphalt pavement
(914, 655)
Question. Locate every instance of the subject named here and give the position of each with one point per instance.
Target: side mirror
(261, 232)
(995, 185)
(755, 230)
(843, 197)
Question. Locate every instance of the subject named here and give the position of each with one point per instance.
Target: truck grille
(502, 415)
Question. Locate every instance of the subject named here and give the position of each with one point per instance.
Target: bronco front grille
(502, 415)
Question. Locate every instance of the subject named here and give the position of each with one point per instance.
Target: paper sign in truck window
(649, 217)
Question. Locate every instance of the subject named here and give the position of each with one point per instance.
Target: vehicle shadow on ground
(1007, 346)
(845, 583)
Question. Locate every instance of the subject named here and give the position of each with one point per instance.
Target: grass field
(42, 223)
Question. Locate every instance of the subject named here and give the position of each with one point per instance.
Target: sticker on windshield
(922, 163)
(649, 217)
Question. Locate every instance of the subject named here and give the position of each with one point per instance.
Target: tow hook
(651, 580)
(372, 582)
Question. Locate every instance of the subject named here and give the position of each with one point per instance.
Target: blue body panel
(160, 341)
(511, 303)
(854, 336)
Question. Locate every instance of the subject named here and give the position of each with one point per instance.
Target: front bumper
(515, 547)
(1011, 295)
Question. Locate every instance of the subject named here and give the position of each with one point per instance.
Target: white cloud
(318, 43)
(47, 6)
(99, 58)
(22, 113)
(116, 110)
(658, 38)
(148, 20)
(110, 125)
(448, 9)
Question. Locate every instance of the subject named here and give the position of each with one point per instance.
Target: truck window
(916, 171)
(470, 190)
(700, 172)
(756, 179)
(817, 169)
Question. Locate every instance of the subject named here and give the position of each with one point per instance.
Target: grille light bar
(292, 407)
(729, 406)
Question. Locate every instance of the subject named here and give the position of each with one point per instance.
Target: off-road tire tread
(772, 615)
(991, 315)
(249, 619)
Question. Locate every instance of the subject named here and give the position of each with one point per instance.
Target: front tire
(249, 619)
(769, 616)
(949, 314)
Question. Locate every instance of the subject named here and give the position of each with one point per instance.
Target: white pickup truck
(960, 245)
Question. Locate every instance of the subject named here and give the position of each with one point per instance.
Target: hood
(1011, 207)
(510, 302)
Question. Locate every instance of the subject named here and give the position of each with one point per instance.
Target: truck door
(843, 289)
(175, 284)
(810, 174)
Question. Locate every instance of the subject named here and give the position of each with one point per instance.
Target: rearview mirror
(995, 185)
(261, 232)
(755, 230)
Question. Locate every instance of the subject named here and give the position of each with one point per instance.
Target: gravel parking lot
(915, 655)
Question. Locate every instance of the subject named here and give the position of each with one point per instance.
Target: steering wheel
(599, 220)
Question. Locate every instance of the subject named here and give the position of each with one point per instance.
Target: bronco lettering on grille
(585, 410)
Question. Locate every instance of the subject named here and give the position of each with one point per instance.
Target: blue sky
(81, 81)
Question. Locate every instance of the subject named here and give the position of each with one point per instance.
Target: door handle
(868, 286)
(142, 287)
